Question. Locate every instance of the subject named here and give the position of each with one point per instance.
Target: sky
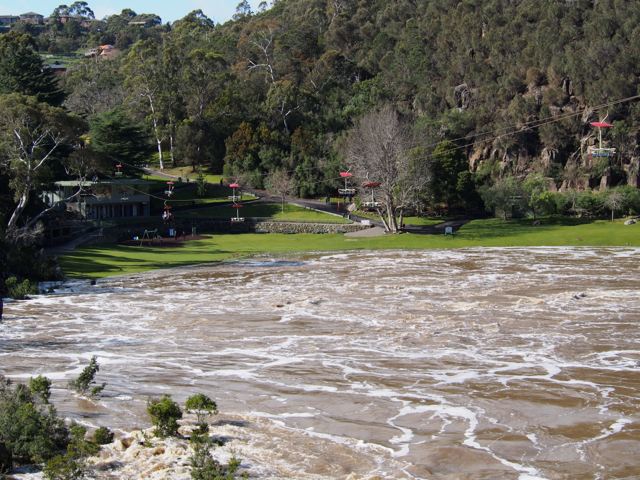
(169, 10)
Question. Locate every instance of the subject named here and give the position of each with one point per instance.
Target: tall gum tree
(154, 71)
(30, 134)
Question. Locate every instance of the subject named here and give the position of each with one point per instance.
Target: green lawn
(421, 221)
(187, 172)
(408, 220)
(182, 197)
(269, 210)
(110, 259)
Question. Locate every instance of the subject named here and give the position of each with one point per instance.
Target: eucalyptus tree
(30, 136)
(95, 87)
(258, 46)
(202, 77)
(153, 77)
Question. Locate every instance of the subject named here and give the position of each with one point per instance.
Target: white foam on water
(283, 415)
(374, 340)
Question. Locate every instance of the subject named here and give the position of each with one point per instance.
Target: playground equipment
(346, 191)
(600, 151)
(372, 204)
(169, 190)
(118, 172)
(150, 235)
(235, 198)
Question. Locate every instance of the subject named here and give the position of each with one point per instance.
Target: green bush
(203, 429)
(205, 467)
(41, 388)
(72, 465)
(20, 291)
(591, 203)
(201, 183)
(103, 436)
(31, 433)
(63, 468)
(164, 415)
(86, 379)
(202, 406)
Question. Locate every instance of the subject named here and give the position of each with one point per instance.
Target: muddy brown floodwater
(511, 363)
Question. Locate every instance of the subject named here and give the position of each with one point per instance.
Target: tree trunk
(400, 217)
(384, 220)
(22, 203)
(155, 130)
(393, 225)
(173, 160)
(160, 153)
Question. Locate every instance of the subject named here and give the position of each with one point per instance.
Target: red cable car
(346, 191)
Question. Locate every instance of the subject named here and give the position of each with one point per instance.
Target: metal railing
(86, 238)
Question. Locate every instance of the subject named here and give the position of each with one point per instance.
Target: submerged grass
(104, 260)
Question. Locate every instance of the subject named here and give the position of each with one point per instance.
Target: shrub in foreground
(87, 378)
(103, 436)
(164, 415)
(202, 406)
(205, 467)
(72, 465)
(30, 432)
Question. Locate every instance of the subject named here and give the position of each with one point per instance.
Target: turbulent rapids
(448, 364)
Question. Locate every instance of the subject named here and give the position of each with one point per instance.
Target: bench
(319, 231)
(341, 230)
(260, 230)
(289, 231)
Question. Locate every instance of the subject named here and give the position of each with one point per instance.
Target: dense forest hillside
(490, 103)
(513, 84)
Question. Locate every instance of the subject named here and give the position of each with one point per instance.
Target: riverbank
(99, 261)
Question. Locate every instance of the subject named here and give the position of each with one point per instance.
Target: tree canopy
(115, 136)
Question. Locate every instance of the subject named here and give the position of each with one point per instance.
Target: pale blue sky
(169, 10)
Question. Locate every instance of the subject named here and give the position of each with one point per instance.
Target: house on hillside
(55, 67)
(104, 198)
(68, 18)
(9, 19)
(32, 17)
(105, 52)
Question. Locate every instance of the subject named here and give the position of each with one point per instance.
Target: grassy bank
(110, 259)
(269, 210)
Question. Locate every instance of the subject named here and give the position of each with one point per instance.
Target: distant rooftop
(124, 181)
